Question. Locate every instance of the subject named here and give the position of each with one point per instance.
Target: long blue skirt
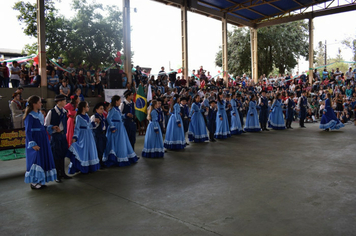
(40, 164)
(276, 119)
(175, 138)
(153, 146)
(197, 130)
(330, 121)
(236, 127)
(118, 150)
(83, 154)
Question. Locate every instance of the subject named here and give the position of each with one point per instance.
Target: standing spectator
(16, 111)
(71, 67)
(172, 78)
(53, 82)
(15, 74)
(5, 72)
(98, 85)
(59, 71)
(349, 76)
(124, 80)
(104, 79)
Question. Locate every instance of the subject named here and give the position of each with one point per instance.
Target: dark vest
(129, 108)
(56, 119)
(265, 103)
(103, 123)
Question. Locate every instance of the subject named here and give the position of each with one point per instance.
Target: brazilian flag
(140, 104)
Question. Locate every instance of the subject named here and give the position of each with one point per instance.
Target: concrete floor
(292, 182)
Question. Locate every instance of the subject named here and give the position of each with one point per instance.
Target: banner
(14, 138)
(109, 93)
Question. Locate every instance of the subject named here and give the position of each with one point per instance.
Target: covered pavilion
(251, 13)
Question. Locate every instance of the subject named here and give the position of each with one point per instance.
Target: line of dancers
(104, 140)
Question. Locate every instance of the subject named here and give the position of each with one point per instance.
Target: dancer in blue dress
(118, 150)
(82, 153)
(222, 124)
(153, 146)
(197, 130)
(175, 138)
(40, 167)
(252, 123)
(276, 119)
(329, 121)
(236, 127)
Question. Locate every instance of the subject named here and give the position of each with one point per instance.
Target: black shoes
(326, 129)
(67, 177)
(37, 186)
(58, 181)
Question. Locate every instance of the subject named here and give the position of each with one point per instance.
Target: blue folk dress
(252, 123)
(175, 138)
(197, 130)
(118, 150)
(83, 154)
(222, 126)
(276, 119)
(40, 167)
(153, 146)
(236, 127)
(329, 119)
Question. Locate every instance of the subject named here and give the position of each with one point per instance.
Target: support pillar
(41, 40)
(184, 24)
(311, 49)
(224, 50)
(127, 39)
(254, 59)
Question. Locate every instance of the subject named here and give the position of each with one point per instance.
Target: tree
(320, 55)
(92, 36)
(351, 43)
(278, 46)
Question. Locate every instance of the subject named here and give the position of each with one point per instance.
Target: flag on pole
(149, 93)
(140, 104)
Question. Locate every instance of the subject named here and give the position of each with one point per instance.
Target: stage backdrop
(14, 138)
(109, 93)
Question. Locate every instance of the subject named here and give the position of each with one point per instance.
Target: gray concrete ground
(291, 182)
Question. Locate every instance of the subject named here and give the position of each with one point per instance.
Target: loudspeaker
(115, 79)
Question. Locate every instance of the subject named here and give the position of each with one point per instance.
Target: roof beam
(329, 11)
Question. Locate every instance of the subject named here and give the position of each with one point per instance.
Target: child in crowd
(40, 167)
(56, 123)
(197, 129)
(83, 153)
(99, 130)
(153, 146)
(175, 138)
(119, 151)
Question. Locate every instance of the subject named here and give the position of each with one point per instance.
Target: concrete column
(311, 49)
(224, 50)
(127, 39)
(184, 26)
(41, 40)
(254, 59)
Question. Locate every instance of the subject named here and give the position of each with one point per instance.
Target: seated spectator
(78, 92)
(82, 84)
(53, 82)
(90, 82)
(36, 80)
(16, 111)
(310, 118)
(65, 88)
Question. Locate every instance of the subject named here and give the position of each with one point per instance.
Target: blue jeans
(85, 89)
(6, 82)
(54, 88)
(15, 83)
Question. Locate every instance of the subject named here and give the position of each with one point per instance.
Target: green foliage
(279, 46)
(92, 36)
(320, 55)
(351, 43)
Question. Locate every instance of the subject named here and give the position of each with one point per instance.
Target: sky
(156, 34)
